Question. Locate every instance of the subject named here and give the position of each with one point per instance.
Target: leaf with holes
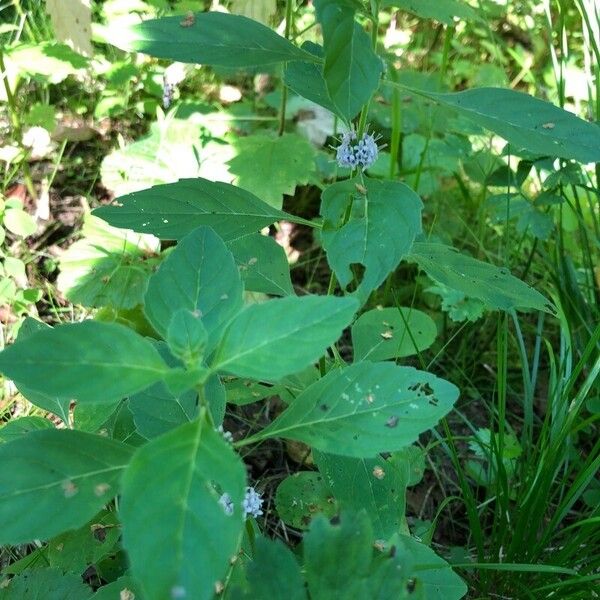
(377, 485)
(365, 409)
(382, 224)
(301, 496)
(263, 264)
(172, 210)
(180, 477)
(494, 286)
(59, 478)
(526, 122)
(384, 333)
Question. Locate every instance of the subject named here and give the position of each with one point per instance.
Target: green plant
(146, 450)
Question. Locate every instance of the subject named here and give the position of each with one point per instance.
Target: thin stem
(16, 124)
(289, 13)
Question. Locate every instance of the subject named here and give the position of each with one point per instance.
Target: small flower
(252, 503)
(227, 435)
(352, 154)
(227, 503)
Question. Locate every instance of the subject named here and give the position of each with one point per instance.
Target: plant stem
(289, 14)
(17, 128)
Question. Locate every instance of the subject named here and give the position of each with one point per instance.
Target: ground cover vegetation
(299, 299)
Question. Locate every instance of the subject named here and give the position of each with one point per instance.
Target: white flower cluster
(352, 154)
(251, 505)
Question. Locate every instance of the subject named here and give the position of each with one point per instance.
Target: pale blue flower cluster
(251, 505)
(353, 155)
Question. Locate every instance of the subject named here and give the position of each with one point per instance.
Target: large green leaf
(58, 479)
(382, 225)
(274, 572)
(494, 286)
(352, 69)
(440, 10)
(200, 276)
(384, 333)
(173, 210)
(271, 340)
(88, 361)
(49, 584)
(377, 485)
(307, 80)
(526, 122)
(210, 38)
(108, 266)
(270, 167)
(365, 409)
(178, 536)
(263, 264)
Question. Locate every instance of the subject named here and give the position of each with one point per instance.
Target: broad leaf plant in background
(143, 387)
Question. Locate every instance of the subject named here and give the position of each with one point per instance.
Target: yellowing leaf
(72, 22)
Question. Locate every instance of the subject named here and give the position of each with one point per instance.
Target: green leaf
(88, 361)
(274, 572)
(525, 122)
(171, 493)
(268, 341)
(352, 69)
(377, 485)
(437, 578)
(187, 336)
(173, 210)
(301, 496)
(19, 222)
(18, 427)
(380, 230)
(384, 333)
(124, 588)
(156, 410)
(338, 557)
(49, 584)
(494, 286)
(307, 80)
(365, 409)
(263, 264)
(58, 406)
(270, 167)
(440, 10)
(210, 38)
(108, 267)
(199, 276)
(58, 478)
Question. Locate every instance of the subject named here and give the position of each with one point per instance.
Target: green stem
(289, 13)
(17, 128)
